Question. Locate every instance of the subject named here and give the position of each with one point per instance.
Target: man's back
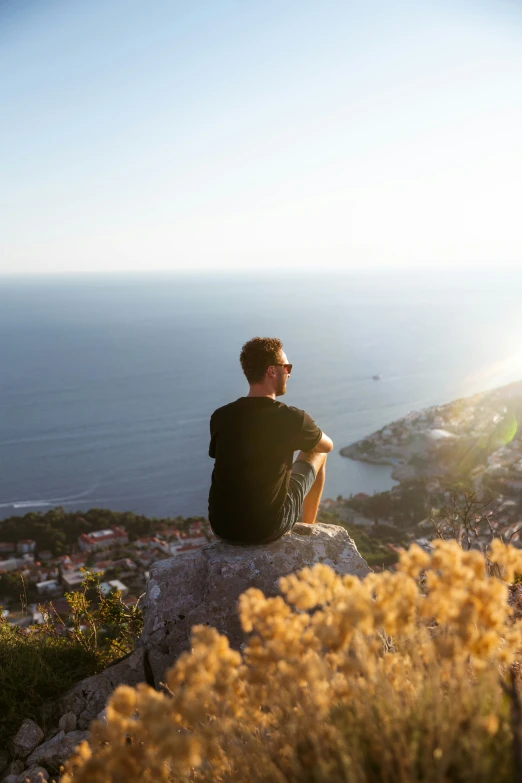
(252, 441)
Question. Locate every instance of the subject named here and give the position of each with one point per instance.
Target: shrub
(401, 677)
(42, 662)
(102, 624)
(33, 669)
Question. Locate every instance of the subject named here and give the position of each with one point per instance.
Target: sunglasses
(288, 367)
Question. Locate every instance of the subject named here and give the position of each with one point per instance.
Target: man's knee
(314, 458)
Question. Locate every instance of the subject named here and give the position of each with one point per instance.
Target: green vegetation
(11, 585)
(42, 662)
(411, 676)
(57, 530)
(35, 667)
(406, 504)
(370, 541)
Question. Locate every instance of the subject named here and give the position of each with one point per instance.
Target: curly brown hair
(257, 355)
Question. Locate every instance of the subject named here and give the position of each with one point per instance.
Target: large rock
(33, 775)
(55, 751)
(67, 722)
(27, 738)
(89, 697)
(15, 767)
(203, 587)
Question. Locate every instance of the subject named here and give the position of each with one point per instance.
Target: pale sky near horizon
(244, 134)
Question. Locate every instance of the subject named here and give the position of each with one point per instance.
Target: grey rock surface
(86, 700)
(26, 738)
(10, 779)
(67, 722)
(55, 751)
(45, 750)
(33, 775)
(203, 587)
(15, 767)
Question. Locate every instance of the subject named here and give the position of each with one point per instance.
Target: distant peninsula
(475, 437)
(460, 460)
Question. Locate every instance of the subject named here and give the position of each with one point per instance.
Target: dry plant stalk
(393, 678)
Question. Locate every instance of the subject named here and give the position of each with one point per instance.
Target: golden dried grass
(395, 678)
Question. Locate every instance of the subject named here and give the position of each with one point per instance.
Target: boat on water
(376, 377)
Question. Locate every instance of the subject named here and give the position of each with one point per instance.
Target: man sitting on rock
(257, 492)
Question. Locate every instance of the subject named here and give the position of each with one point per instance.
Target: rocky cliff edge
(203, 587)
(200, 587)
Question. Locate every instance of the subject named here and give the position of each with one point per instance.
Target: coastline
(459, 436)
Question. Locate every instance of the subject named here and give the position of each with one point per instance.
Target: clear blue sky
(217, 134)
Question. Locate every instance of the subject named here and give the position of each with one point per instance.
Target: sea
(107, 382)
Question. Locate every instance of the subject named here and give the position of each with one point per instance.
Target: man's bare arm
(324, 446)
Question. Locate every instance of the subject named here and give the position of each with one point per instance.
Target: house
(104, 565)
(16, 563)
(126, 564)
(20, 618)
(72, 562)
(11, 564)
(145, 559)
(49, 587)
(196, 538)
(73, 579)
(114, 584)
(102, 539)
(328, 503)
(170, 531)
(25, 546)
(6, 547)
(152, 542)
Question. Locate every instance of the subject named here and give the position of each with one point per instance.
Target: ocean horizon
(108, 382)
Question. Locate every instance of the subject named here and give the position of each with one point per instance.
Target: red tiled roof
(115, 532)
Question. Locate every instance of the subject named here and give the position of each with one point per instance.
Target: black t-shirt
(253, 441)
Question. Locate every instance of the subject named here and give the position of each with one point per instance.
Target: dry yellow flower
(333, 666)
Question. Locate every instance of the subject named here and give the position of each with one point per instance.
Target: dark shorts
(301, 479)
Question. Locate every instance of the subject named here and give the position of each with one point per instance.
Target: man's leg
(313, 498)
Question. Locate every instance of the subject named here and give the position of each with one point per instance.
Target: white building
(16, 563)
(114, 584)
(73, 580)
(25, 546)
(49, 587)
(102, 539)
